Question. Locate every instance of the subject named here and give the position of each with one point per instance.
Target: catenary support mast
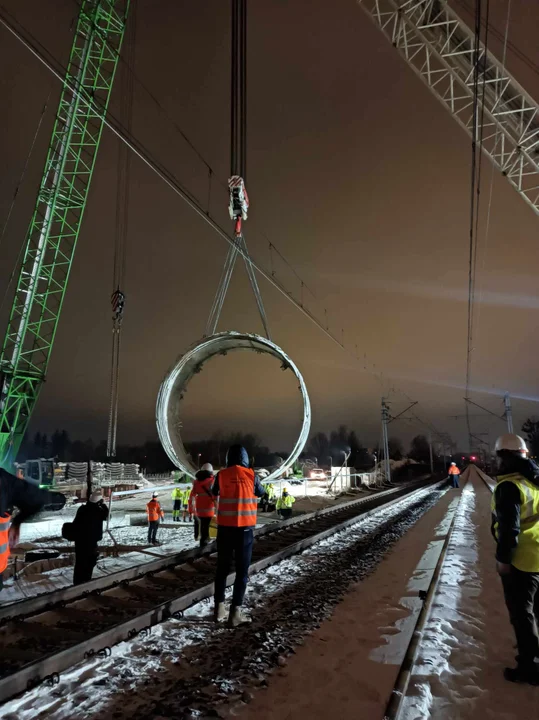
(55, 225)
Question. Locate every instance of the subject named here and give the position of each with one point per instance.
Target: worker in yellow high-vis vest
(515, 526)
(186, 513)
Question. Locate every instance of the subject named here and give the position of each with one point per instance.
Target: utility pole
(508, 412)
(385, 422)
(430, 452)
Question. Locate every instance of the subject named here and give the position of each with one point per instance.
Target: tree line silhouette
(322, 450)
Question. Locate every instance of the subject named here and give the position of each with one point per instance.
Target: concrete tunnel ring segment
(174, 386)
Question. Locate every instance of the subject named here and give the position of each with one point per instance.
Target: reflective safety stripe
(237, 501)
(237, 504)
(527, 508)
(233, 513)
(4, 541)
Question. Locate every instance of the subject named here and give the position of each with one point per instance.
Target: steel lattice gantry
(439, 46)
(56, 222)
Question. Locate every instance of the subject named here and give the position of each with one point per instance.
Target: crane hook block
(239, 200)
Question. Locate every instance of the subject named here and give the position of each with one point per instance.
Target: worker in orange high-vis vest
(202, 503)
(454, 474)
(237, 488)
(29, 499)
(155, 513)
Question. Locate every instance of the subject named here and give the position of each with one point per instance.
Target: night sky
(356, 174)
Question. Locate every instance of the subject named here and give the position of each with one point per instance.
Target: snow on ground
(45, 532)
(32, 580)
(142, 671)
(341, 671)
(468, 639)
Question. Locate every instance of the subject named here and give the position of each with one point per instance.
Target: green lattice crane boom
(56, 222)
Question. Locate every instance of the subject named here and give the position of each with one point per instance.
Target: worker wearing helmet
(284, 504)
(454, 474)
(515, 526)
(237, 489)
(87, 530)
(202, 503)
(155, 513)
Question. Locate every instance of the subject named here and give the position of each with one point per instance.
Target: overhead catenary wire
(15, 197)
(492, 173)
(479, 54)
(115, 126)
(522, 56)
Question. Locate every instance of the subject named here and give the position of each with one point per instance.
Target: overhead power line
(167, 176)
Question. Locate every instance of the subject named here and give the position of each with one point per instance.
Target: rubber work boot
(219, 612)
(237, 617)
(527, 675)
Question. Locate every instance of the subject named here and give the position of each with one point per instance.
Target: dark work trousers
(233, 544)
(285, 513)
(152, 530)
(521, 590)
(455, 480)
(85, 562)
(202, 528)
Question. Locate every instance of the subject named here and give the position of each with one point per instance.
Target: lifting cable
(31, 43)
(122, 221)
(239, 200)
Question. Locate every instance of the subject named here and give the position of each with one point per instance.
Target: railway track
(396, 706)
(43, 637)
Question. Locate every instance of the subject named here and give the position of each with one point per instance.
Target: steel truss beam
(439, 47)
(56, 222)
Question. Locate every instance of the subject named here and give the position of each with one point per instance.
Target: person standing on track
(454, 474)
(88, 531)
(177, 499)
(155, 513)
(186, 494)
(202, 503)
(237, 488)
(29, 499)
(515, 526)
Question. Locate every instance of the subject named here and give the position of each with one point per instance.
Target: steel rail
(395, 706)
(50, 600)
(39, 651)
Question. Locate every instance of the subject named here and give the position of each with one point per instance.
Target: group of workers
(232, 496)
(197, 504)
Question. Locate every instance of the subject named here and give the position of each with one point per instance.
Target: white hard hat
(453, 463)
(208, 467)
(96, 496)
(509, 441)
(155, 495)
